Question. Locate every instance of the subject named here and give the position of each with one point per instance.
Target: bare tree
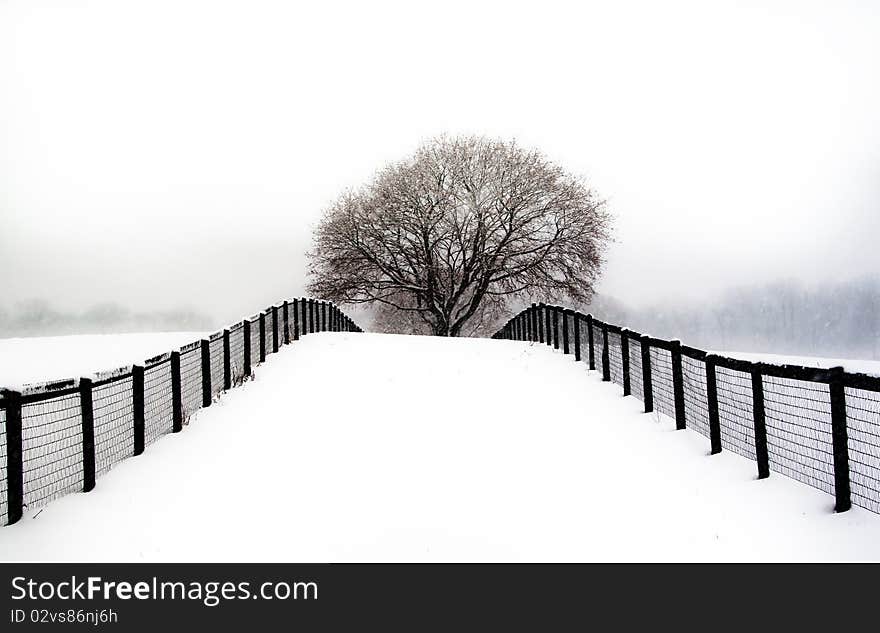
(460, 228)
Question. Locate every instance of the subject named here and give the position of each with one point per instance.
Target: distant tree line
(837, 320)
(38, 317)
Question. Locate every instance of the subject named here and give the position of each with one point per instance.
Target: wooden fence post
(88, 434)
(647, 382)
(761, 454)
(565, 349)
(678, 386)
(247, 348)
(227, 362)
(274, 329)
(712, 405)
(624, 358)
(295, 319)
(137, 408)
(839, 441)
(591, 344)
(176, 394)
(577, 336)
(286, 320)
(262, 337)
(206, 373)
(14, 463)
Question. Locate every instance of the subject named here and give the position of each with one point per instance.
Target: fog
(176, 155)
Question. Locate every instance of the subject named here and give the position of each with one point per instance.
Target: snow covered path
(377, 447)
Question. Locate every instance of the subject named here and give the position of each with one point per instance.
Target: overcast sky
(164, 154)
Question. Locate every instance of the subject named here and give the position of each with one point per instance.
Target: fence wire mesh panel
(615, 358)
(661, 381)
(114, 423)
(51, 438)
(4, 479)
(217, 367)
(736, 411)
(191, 381)
(635, 369)
(236, 354)
(798, 420)
(863, 429)
(158, 404)
(598, 346)
(255, 341)
(585, 340)
(696, 407)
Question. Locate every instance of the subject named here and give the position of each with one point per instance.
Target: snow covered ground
(368, 447)
(42, 359)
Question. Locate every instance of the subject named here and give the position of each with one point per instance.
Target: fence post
(295, 319)
(274, 329)
(606, 356)
(14, 464)
(539, 316)
(323, 316)
(647, 383)
(577, 336)
(227, 362)
(565, 331)
(206, 373)
(88, 433)
(839, 441)
(247, 348)
(286, 320)
(262, 337)
(311, 316)
(712, 405)
(624, 359)
(137, 408)
(678, 386)
(591, 345)
(533, 336)
(761, 454)
(176, 394)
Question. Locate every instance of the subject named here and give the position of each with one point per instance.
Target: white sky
(167, 153)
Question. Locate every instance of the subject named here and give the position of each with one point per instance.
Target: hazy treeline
(839, 320)
(39, 318)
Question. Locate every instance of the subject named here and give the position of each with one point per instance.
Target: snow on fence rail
(818, 426)
(56, 438)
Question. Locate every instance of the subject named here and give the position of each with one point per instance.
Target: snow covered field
(857, 366)
(42, 359)
(371, 447)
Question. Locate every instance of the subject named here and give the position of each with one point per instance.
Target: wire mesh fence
(817, 426)
(56, 438)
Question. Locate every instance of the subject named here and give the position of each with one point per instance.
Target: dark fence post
(712, 405)
(761, 454)
(555, 327)
(839, 441)
(323, 316)
(286, 320)
(206, 373)
(624, 359)
(565, 313)
(577, 336)
(227, 362)
(647, 383)
(262, 337)
(247, 348)
(311, 316)
(591, 345)
(176, 394)
(14, 464)
(678, 386)
(295, 319)
(533, 323)
(137, 408)
(88, 434)
(274, 329)
(539, 316)
(606, 356)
